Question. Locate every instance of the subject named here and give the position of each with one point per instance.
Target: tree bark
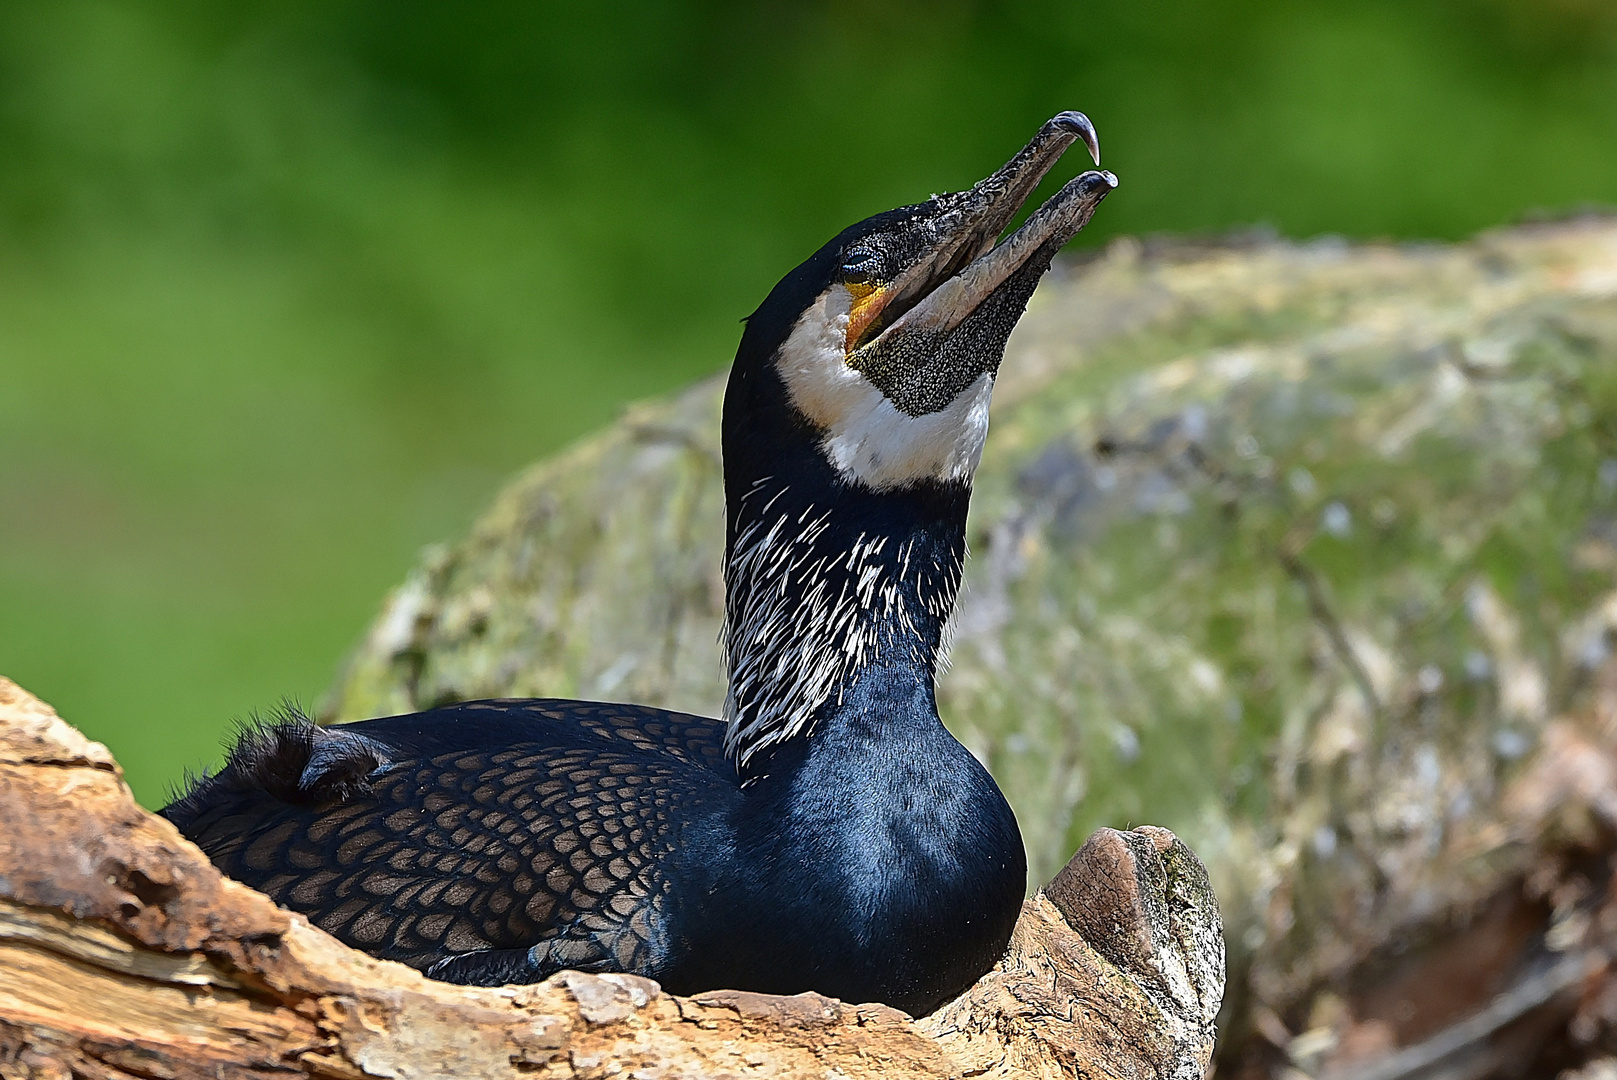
(124, 953)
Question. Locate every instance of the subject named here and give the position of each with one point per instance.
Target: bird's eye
(860, 266)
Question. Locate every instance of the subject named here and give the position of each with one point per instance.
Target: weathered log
(1308, 551)
(124, 953)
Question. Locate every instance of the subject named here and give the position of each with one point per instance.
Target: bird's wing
(556, 841)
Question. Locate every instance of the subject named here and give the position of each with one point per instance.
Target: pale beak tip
(1078, 124)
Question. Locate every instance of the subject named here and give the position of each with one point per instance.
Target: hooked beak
(964, 267)
(1044, 233)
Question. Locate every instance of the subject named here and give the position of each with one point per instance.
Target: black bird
(828, 834)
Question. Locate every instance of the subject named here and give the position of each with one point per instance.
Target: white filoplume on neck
(868, 439)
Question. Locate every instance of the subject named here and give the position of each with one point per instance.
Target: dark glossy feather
(484, 843)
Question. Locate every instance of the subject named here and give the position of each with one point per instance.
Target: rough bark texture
(1305, 550)
(124, 953)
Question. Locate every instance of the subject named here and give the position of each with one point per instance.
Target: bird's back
(484, 843)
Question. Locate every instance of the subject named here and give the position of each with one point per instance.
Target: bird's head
(883, 346)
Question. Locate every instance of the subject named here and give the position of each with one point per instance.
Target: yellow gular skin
(868, 301)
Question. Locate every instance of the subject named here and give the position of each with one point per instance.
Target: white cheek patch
(868, 439)
(882, 447)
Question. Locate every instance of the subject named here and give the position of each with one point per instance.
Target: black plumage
(829, 834)
(457, 840)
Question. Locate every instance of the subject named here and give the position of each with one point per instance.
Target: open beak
(1044, 233)
(965, 266)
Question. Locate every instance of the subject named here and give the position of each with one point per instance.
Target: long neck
(825, 581)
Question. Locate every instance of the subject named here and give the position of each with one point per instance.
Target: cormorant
(828, 834)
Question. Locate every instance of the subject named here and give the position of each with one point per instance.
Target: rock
(124, 953)
(1307, 550)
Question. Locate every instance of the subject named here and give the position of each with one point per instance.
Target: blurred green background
(287, 289)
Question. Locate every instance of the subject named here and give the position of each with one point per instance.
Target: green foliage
(286, 288)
